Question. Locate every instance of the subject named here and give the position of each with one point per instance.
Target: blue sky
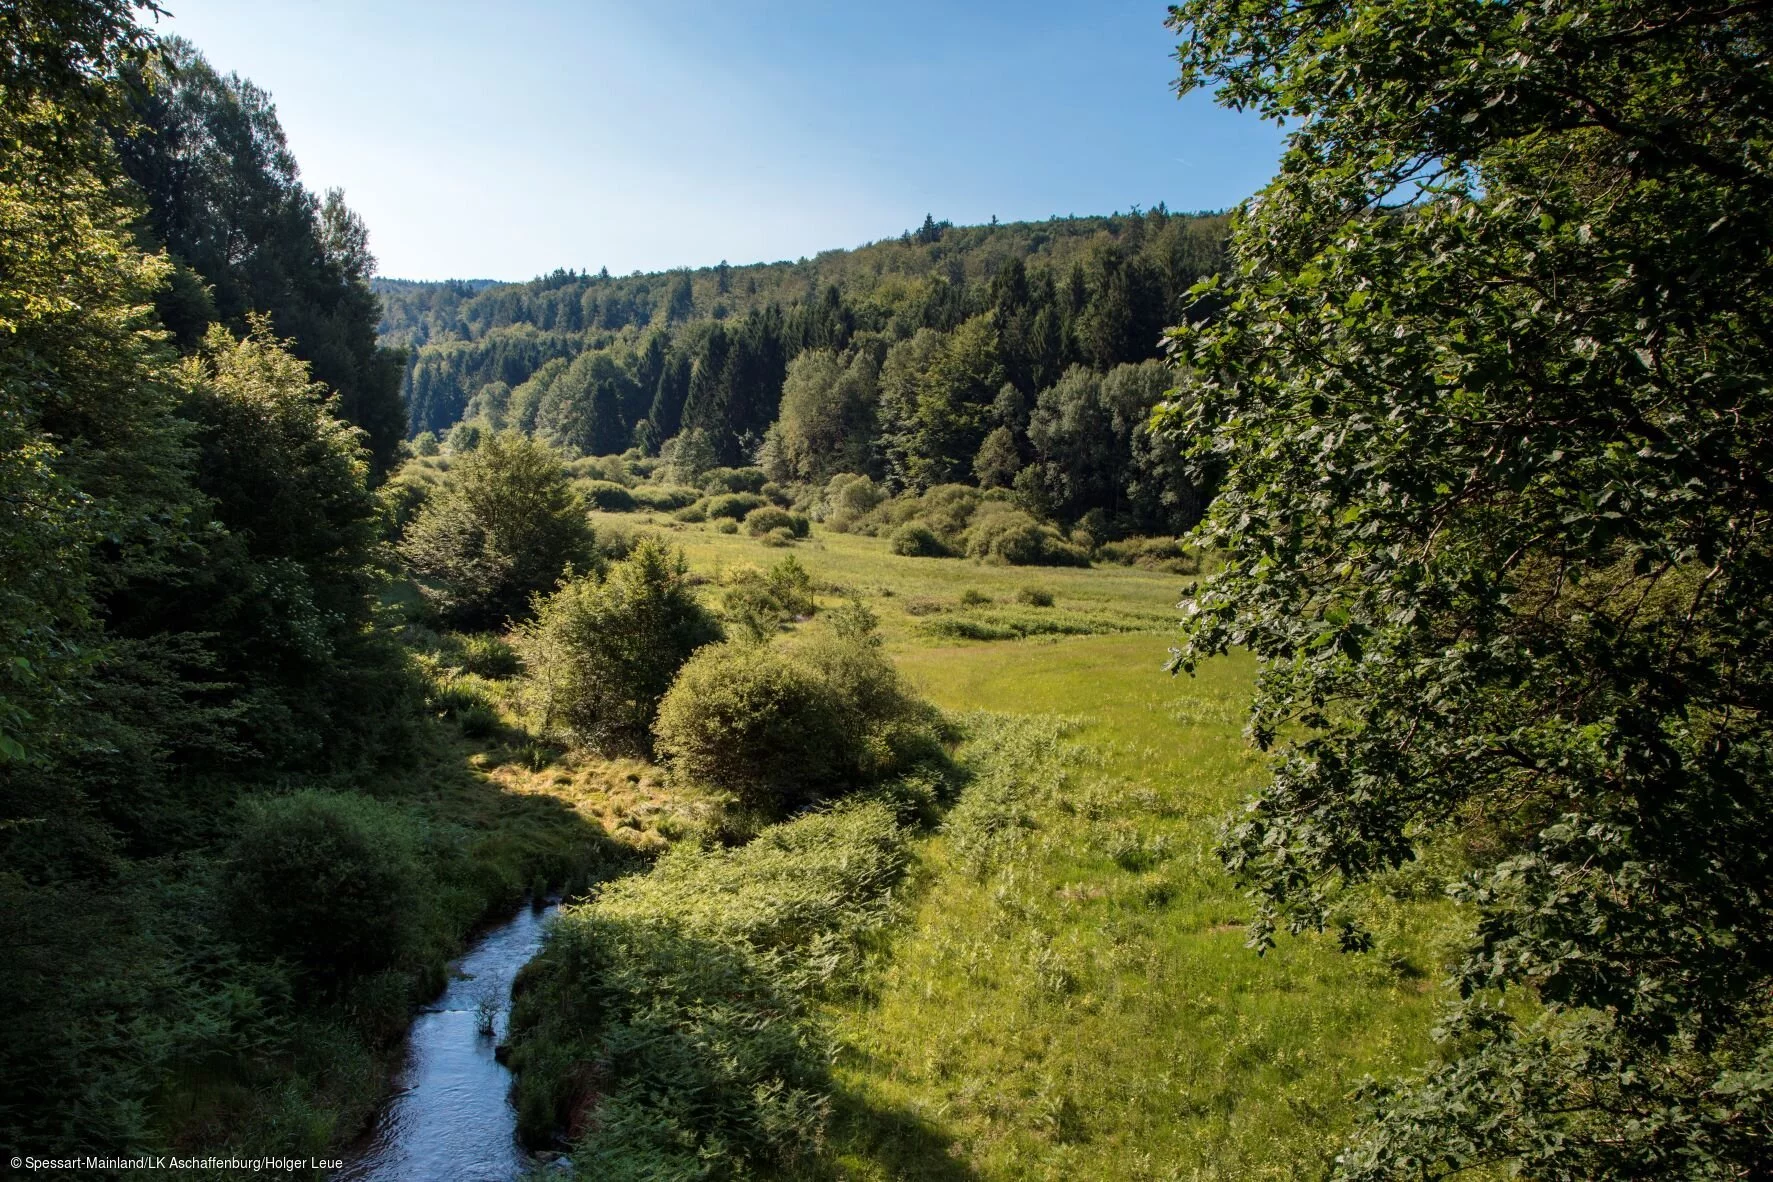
(505, 140)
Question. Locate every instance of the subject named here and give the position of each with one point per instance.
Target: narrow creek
(452, 1116)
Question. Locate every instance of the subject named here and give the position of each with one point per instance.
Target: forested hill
(597, 363)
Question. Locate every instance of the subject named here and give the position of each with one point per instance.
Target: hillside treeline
(221, 192)
(1002, 355)
(211, 929)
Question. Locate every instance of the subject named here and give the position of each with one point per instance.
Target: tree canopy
(1489, 381)
(506, 528)
(224, 196)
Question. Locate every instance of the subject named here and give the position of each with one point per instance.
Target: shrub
(734, 480)
(781, 726)
(726, 525)
(616, 542)
(769, 518)
(947, 508)
(853, 494)
(916, 540)
(505, 527)
(1035, 597)
(973, 597)
(602, 654)
(693, 514)
(744, 719)
(613, 469)
(329, 880)
(779, 538)
(664, 498)
(854, 620)
(734, 505)
(608, 496)
(762, 521)
(1012, 537)
(759, 603)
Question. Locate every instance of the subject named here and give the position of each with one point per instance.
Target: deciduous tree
(1492, 387)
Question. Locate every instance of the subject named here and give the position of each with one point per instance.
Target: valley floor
(1071, 996)
(1085, 1007)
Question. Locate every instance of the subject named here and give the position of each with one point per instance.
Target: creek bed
(451, 1119)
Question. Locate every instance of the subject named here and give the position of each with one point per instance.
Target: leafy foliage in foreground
(1496, 522)
(198, 952)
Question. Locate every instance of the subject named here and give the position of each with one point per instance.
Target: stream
(451, 1117)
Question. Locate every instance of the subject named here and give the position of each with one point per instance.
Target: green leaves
(506, 528)
(1493, 520)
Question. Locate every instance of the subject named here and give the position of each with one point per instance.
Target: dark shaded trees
(225, 197)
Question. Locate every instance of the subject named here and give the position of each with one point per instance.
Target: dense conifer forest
(799, 630)
(947, 355)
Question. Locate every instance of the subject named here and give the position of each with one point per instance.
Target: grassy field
(1076, 1001)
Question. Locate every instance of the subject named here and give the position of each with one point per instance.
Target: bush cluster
(607, 495)
(770, 518)
(602, 652)
(847, 497)
(914, 539)
(329, 880)
(733, 480)
(733, 505)
(778, 726)
(758, 603)
(955, 519)
(664, 498)
(1013, 538)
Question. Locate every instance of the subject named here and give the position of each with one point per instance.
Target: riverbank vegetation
(237, 841)
(806, 625)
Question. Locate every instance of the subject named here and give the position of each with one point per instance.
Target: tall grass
(668, 1026)
(1071, 997)
(1047, 981)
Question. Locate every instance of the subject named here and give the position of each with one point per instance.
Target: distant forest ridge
(709, 347)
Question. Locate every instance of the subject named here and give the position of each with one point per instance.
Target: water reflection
(452, 1120)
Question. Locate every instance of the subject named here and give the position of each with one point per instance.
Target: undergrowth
(668, 1027)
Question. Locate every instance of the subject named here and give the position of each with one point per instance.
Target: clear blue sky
(503, 140)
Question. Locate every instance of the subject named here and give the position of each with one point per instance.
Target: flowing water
(452, 1119)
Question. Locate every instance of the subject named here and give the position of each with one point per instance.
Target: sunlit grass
(1083, 1006)
(1087, 1008)
(899, 590)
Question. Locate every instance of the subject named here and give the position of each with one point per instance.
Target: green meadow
(1067, 992)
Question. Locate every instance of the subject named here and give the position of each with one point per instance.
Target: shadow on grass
(878, 1141)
